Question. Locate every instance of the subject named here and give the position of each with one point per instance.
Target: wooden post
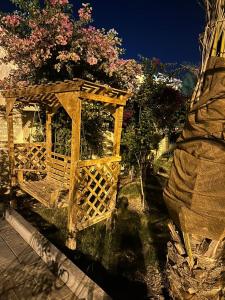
(116, 144)
(48, 132)
(20, 176)
(118, 130)
(72, 105)
(75, 156)
(48, 135)
(9, 114)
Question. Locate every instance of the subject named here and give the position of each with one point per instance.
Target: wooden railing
(58, 168)
(30, 156)
(96, 192)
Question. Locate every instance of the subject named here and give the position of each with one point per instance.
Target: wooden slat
(94, 84)
(54, 154)
(63, 174)
(54, 161)
(58, 178)
(89, 223)
(102, 98)
(57, 166)
(93, 162)
(43, 144)
(43, 89)
(31, 170)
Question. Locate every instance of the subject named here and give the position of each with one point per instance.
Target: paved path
(23, 274)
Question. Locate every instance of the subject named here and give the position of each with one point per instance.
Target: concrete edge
(75, 279)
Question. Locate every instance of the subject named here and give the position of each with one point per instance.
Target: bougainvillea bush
(49, 41)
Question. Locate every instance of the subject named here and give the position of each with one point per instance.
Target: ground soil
(126, 259)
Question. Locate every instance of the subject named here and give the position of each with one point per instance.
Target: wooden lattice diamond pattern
(30, 156)
(97, 190)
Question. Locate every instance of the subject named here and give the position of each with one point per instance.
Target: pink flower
(85, 12)
(63, 2)
(92, 60)
(61, 40)
(12, 20)
(53, 2)
(60, 2)
(74, 56)
(32, 24)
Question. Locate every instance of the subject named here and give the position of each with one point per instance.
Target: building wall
(18, 132)
(18, 128)
(5, 68)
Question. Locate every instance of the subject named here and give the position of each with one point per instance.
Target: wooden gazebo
(87, 187)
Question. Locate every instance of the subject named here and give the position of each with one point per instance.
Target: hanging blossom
(85, 12)
(58, 2)
(49, 37)
(12, 20)
(47, 31)
(127, 71)
(95, 47)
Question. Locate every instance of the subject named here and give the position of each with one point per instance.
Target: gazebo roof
(46, 93)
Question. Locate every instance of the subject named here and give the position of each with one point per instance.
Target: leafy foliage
(155, 110)
(95, 121)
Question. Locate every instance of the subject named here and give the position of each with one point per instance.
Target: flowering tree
(48, 43)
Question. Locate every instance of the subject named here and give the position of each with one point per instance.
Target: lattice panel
(30, 156)
(97, 192)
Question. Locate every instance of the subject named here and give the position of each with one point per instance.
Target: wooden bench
(53, 190)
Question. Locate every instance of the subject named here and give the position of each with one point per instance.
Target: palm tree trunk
(204, 279)
(195, 191)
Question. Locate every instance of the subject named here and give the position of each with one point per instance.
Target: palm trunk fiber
(195, 195)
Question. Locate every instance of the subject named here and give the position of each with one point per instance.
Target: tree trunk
(195, 191)
(195, 195)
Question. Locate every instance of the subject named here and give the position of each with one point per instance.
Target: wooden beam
(104, 98)
(75, 155)
(118, 130)
(42, 89)
(93, 162)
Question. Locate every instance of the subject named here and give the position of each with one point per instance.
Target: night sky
(164, 29)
